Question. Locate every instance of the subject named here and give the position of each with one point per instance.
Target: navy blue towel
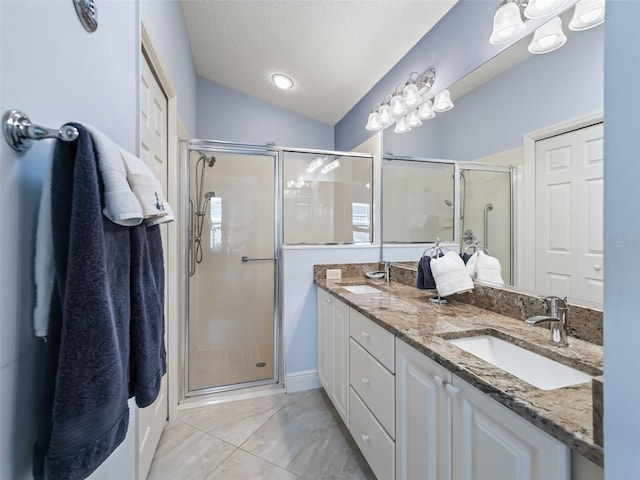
(84, 407)
(425, 279)
(148, 361)
(465, 257)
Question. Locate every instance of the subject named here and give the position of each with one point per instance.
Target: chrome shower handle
(192, 254)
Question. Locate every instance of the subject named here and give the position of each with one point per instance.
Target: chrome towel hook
(20, 133)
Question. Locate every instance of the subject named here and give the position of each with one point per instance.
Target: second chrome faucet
(557, 318)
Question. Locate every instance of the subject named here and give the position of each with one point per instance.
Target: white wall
(56, 72)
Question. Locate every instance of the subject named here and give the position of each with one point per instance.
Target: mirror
(518, 110)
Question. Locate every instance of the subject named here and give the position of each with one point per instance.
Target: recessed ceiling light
(282, 81)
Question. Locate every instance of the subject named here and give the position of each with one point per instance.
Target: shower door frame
(221, 147)
(484, 167)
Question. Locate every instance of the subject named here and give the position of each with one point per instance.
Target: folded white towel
(450, 275)
(44, 261)
(147, 189)
(472, 265)
(121, 205)
(488, 269)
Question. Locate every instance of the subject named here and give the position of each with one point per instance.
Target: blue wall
(227, 114)
(56, 72)
(454, 47)
(622, 241)
(171, 35)
(541, 91)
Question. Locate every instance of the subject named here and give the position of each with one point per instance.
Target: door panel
(569, 248)
(232, 292)
(154, 152)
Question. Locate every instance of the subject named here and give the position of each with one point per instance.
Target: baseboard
(300, 381)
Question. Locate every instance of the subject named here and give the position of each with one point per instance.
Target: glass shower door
(233, 279)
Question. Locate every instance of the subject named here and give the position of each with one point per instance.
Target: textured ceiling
(335, 50)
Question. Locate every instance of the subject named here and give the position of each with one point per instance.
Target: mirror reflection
(540, 115)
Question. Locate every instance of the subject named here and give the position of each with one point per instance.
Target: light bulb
(548, 37)
(282, 81)
(398, 107)
(413, 120)
(541, 8)
(374, 122)
(587, 14)
(402, 126)
(442, 102)
(411, 95)
(384, 114)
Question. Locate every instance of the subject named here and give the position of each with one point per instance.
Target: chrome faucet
(387, 273)
(557, 318)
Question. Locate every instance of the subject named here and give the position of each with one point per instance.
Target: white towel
(472, 265)
(450, 275)
(121, 205)
(488, 269)
(44, 261)
(147, 189)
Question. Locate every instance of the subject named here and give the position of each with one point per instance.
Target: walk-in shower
(231, 331)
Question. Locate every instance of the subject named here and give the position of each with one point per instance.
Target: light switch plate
(334, 274)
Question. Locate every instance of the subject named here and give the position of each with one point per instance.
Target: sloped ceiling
(334, 50)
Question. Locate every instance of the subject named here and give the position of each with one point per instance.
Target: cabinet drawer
(374, 384)
(373, 338)
(374, 443)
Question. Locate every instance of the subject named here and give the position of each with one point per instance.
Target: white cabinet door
(340, 359)
(324, 327)
(333, 350)
(423, 417)
(490, 442)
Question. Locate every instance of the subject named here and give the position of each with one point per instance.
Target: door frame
(150, 48)
(223, 147)
(525, 197)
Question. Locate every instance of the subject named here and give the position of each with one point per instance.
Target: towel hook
(20, 133)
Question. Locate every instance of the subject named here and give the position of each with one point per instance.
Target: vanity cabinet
(333, 351)
(423, 413)
(447, 429)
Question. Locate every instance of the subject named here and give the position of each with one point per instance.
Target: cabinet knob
(597, 268)
(365, 437)
(451, 390)
(437, 379)
(364, 334)
(365, 381)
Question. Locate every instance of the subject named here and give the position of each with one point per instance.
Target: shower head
(209, 195)
(210, 161)
(448, 203)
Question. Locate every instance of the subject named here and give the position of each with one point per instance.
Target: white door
(340, 313)
(569, 247)
(154, 152)
(423, 417)
(324, 327)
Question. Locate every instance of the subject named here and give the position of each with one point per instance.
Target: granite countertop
(564, 413)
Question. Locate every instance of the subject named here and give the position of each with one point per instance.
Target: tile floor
(279, 437)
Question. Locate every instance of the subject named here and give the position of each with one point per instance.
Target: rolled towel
(488, 269)
(450, 275)
(425, 279)
(147, 190)
(120, 204)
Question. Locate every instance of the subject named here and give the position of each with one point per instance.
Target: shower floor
(229, 366)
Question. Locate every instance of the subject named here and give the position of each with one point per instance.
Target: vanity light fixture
(548, 37)
(442, 102)
(413, 119)
(330, 166)
(507, 23)
(426, 110)
(407, 106)
(316, 163)
(587, 14)
(282, 81)
(542, 8)
(402, 126)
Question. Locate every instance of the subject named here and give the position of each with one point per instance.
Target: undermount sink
(361, 289)
(539, 371)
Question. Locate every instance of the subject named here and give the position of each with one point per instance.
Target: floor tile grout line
(235, 449)
(271, 463)
(265, 422)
